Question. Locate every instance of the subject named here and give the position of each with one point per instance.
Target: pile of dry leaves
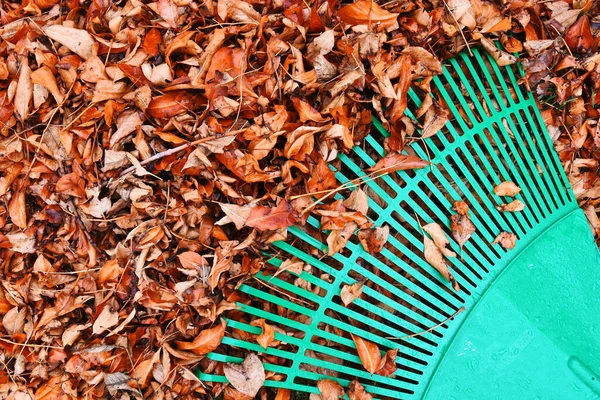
(150, 150)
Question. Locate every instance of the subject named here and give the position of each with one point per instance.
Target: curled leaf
(364, 12)
(207, 341)
(369, 354)
(507, 189)
(513, 206)
(247, 377)
(506, 239)
(352, 292)
(434, 257)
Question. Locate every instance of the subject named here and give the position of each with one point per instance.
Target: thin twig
(430, 329)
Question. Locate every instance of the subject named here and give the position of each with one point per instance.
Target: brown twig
(430, 329)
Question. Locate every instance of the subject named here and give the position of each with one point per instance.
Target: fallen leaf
(14, 320)
(514, 206)
(579, 37)
(79, 41)
(24, 92)
(358, 201)
(356, 391)
(388, 363)
(234, 213)
(267, 335)
(352, 292)
(506, 239)
(168, 11)
(338, 238)
(107, 318)
(439, 238)
(374, 239)
(247, 377)
(435, 119)
(369, 354)
(397, 162)
(461, 225)
(507, 189)
(266, 218)
(18, 210)
(364, 12)
(207, 341)
(330, 390)
(435, 258)
(501, 57)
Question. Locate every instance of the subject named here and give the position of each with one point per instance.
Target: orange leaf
(207, 341)
(367, 12)
(151, 42)
(17, 210)
(322, 177)
(330, 390)
(356, 391)
(168, 11)
(388, 363)
(397, 162)
(267, 335)
(579, 36)
(369, 354)
(172, 103)
(266, 218)
(306, 112)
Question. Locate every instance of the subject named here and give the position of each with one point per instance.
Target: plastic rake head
(531, 312)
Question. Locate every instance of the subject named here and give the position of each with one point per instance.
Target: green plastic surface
(530, 329)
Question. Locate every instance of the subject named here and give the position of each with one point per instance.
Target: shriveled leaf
(502, 58)
(338, 238)
(267, 335)
(330, 390)
(247, 377)
(207, 341)
(24, 92)
(374, 239)
(168, 11)
(79, 41)
(435, 258)
(513, 206)
(352, 292)
(388, 363)
(397, 162)
(358, 201)
(506, 239)
(356, 391)
(461, 225)
(363, 12)
(266, 218)
(369, 354)
(236, 214)
(107, 318)
(435, 119)
(579, 37)
(439, 238)
(507, 189)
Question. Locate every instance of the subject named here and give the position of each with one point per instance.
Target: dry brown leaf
(247, 377)
(14, 320)
(435, 258)
(168, 11)
(18, 210)
(363, 12)
(513, 206)
(352, 292)
(330, 390)
(388, 363)
(107, 318)
(267, 335)
(507, 189)
(373, 240)
(502, 58)
(435, 119)
(266, 218)
(234, 213)
(439, 238)
(338, 238)
(369, 354)
(397, 162)
(506, 239)
(356, 391)
(461, 225)
(357, 201)
(79, 41)
(24, 92)
(207, 341)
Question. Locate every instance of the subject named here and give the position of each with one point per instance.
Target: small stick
(430, 329)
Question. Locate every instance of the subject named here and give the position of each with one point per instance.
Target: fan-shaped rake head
(524, 307)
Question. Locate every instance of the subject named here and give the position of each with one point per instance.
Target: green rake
(531, 329)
